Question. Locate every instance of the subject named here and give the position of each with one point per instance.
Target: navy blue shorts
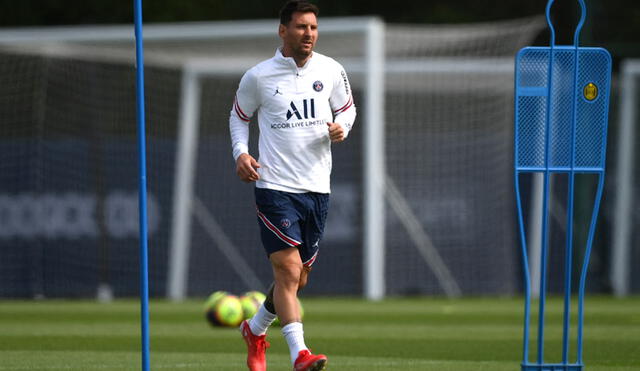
(292, 220)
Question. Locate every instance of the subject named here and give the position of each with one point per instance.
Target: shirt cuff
(238, 149)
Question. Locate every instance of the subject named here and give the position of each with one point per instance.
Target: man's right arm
(244, 105)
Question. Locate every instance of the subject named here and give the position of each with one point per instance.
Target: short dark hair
(293, 6)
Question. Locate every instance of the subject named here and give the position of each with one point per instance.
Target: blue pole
(523, 240)
(568, 269)
(585, 263)
(525, 270)
(142, 198)
(546, 191)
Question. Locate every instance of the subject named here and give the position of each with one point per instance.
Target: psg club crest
(317, 86)
(285, 223)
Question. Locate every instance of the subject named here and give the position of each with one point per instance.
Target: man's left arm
(343, 107)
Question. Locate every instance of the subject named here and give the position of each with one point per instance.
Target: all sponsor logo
(308, 109)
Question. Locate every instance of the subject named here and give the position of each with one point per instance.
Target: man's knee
(287, 271)
(304, 277)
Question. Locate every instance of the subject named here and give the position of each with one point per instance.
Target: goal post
(421, 191)
(375, 163)
(624, 200)
(398, 61)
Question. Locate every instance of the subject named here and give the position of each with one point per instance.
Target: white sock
(294, 335)
(261, 321)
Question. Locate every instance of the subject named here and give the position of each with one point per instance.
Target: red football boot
(256, 348)
(310, 362)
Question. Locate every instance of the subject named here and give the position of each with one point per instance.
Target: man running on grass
(304, 103)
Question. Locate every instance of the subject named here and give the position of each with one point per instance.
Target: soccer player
(304, 103)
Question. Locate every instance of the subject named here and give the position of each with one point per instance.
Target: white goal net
(424, 206)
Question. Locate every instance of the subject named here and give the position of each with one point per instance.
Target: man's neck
(300, 60)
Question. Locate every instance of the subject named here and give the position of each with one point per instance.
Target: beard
(303, 52)
(301, 49)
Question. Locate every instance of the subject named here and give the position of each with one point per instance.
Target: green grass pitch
(396, 334)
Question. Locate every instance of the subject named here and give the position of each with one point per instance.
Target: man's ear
(282, 29)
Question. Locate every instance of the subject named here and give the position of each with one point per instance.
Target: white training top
(294, 106)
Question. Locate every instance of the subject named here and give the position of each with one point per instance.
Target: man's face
(301, 34)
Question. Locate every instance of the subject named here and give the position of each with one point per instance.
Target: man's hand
(246, 168)
(336, 132)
